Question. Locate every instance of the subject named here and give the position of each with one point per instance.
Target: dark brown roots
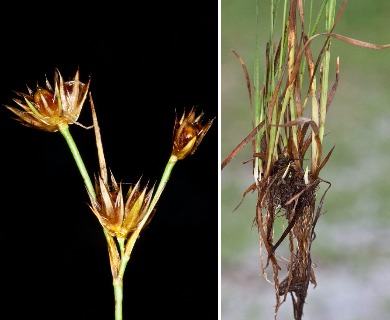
(291, 191)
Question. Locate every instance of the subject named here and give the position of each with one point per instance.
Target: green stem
(118, 293)
(118, 280)
(64, 129)
(118, 283)
(134, 236)
(126, 252)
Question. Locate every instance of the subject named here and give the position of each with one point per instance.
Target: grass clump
(289, 105)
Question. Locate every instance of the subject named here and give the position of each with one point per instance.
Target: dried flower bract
(117, 215)
(47, 109)
(188, 133)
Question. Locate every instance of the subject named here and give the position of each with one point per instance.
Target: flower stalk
(64, 130)
(124, 220)
(125, 254)
(163, 182)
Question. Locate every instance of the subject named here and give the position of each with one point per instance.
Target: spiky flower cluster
(117, 215)
(188, 133)
(47, 108)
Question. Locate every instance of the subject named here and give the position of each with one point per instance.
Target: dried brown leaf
(241, 145)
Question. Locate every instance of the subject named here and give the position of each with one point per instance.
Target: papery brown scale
(132, 198)
(133, 211)
(49, 110)
(44, 99)
(69, 88)
(189, 132)
(145, 206)
(105, 200)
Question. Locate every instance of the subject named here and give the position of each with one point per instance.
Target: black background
(147, 60)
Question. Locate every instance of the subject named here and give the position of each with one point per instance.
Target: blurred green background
(351, 249)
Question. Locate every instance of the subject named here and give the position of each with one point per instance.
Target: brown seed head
(46, 109)
(117, 215)
(188, 133)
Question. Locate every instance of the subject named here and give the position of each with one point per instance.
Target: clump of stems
(289, 107)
